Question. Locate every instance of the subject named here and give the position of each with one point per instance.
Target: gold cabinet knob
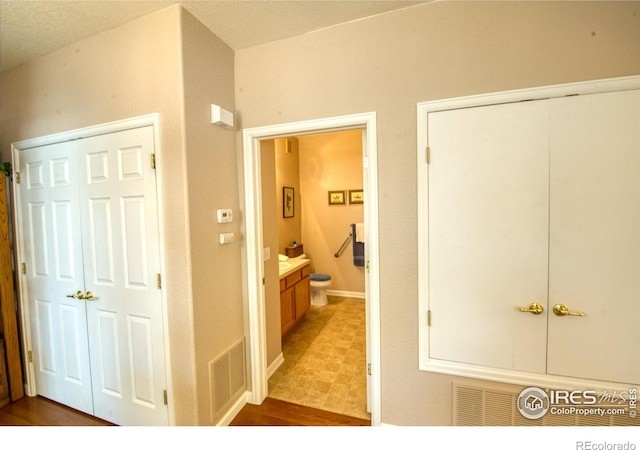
(562, 310)
(534, 308)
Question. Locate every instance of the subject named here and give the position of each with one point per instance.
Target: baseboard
(350, 294)
(234, 410)
(275, 365)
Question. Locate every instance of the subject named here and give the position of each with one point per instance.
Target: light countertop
(294, 264)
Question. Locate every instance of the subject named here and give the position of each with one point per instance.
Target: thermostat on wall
(224, 215)
(222, 117)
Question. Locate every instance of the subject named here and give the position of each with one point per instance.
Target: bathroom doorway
(316, 342)
(260, 257)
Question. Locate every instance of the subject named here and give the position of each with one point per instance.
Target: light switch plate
(226, 238)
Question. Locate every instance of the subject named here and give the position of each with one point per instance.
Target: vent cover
(226, 379)
(486, 405)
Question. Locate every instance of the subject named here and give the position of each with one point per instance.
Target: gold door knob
(76, 295)
(89, 296)
(534, 308)
(562, 310)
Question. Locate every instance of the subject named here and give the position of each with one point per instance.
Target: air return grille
(226, 379)
(486, 405)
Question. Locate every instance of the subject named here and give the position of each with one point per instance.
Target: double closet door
(534, 236)
(90, 249)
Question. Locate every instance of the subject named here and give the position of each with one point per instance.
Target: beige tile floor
(325, 360)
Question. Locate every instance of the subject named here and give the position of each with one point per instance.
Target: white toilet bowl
(319, 284)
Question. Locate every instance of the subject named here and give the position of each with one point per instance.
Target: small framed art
(356, 197)
(287, 202)
(337, 198)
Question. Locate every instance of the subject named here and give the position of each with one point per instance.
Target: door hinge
(159, 281)
(369, 369)
(365, 162)
(428, 155)
(17, 177)
(264, 281)
(429, 318)
(153, 160)
(30, 356)
(24, 268)
(165, 397)
(368, 267)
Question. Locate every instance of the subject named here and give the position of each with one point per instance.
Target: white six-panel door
(110, 237)
(53, 258)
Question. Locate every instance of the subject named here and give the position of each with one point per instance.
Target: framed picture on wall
(356, 197)
(287, 202)
(336, 198)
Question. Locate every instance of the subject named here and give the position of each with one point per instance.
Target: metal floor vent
(226, 379)
(479, 405)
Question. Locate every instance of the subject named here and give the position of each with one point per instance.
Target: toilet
(319, 282)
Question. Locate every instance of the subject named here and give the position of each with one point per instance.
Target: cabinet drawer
(283, 284)
(305, 270)
(293, 278)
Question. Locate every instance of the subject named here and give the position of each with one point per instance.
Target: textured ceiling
(31, 28)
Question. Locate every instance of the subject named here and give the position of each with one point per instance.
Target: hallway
(325, 360)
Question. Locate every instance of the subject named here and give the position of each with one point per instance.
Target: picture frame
(288, 202)
(356, 197)
(337, 198)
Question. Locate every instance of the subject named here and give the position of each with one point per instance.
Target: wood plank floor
(280, 413)
(39, 411)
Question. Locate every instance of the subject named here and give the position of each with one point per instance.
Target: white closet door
(53, 258)
(90, 219)
(595, 236)
(122, 260)
(488, 234)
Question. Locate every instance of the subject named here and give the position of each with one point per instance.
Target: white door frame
(112, 127)
(253, 265)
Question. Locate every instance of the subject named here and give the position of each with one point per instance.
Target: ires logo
(533, 403)
(559, 397)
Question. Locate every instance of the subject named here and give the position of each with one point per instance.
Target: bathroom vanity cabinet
(295, 298)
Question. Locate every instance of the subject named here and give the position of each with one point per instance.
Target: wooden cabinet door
(302, 297)
(287, 310)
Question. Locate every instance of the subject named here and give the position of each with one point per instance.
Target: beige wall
(389, 63)
(211, 163)
(164, 63)
(331, 162)
(287, 174)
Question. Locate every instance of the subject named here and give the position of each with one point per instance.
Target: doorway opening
(316, 342)
(255, 254)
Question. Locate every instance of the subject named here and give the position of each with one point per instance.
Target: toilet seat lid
(320, 277)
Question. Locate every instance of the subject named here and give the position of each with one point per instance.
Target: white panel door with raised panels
(116, 235)
(53, 258)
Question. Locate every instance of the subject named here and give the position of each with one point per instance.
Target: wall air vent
(486, 404)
